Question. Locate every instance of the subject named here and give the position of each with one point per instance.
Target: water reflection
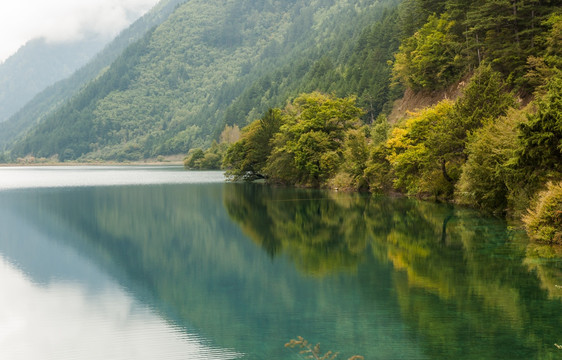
(66, 321)
(57, 304)
(248, 267)
(469, 285)
(544, 261)
(322, 232)
(176, 248)
(34, 177)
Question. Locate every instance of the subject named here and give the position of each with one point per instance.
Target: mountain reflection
(249, 267)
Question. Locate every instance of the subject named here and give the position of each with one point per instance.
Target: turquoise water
(157, 263)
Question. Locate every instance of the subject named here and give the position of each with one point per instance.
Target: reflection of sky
(68, 176)
(56, 304)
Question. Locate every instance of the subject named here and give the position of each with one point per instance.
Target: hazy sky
(63, 20)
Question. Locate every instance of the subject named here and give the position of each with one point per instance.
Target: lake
(141, 262)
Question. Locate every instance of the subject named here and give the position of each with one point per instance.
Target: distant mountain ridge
(39, 64)
(33, 111)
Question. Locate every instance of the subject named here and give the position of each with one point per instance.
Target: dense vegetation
(483, 149)
(544, 221)
(305, 141)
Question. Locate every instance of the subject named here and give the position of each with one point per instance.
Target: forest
(496, 147)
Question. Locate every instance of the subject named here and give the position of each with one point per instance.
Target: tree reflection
(321, 232)
(462, 275)
(544, 260)
(469, 284)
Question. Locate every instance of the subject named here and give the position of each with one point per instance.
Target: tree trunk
(478, 50)
(444, 170)
(444, 228)
(533, 28)
(515, 29)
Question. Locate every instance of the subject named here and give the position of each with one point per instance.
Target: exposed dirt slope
(415, 101)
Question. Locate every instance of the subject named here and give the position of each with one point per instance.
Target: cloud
(64, 20)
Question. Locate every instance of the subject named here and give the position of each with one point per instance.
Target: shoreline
(169, 160)
(82, 164)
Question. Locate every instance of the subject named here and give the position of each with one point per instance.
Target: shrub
(313, 351)
(540, 153)
(484, 182)
(543, 221)
(308, 150)
(247, 157)
(192, 159)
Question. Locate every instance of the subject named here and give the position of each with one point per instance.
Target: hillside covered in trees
(39, 64)
(176, 88)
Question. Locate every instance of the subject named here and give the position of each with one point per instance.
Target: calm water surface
(159, 263)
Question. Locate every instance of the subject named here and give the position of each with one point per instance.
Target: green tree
(431, 58)
(193, 158)
(308, 148)
(505, 33)
(246, 158)
(418, 168)
(544, 220)
(543, 68)
(539, 156)
(378, 172)
(356, 154)
(485, 179)
(486, 97)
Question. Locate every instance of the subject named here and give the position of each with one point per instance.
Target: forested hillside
(37, 108)
(177, 87)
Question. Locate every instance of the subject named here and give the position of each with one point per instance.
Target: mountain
(44, 102)
(39, 64)
(185, 79)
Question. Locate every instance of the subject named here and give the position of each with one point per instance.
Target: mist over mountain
(39, 64)
(49, 98)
